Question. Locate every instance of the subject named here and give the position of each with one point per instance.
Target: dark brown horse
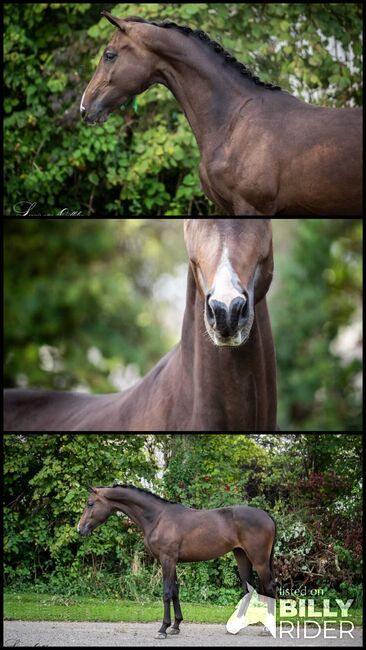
(221, 376)
(174, 533)
(263, 152)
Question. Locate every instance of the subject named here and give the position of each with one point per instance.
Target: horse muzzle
(229, 325)
(84, 531)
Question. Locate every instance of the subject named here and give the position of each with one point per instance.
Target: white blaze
(224, 288)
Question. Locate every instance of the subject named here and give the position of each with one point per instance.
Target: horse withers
(174, 533)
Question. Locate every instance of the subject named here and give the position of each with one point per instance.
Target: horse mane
(200, 34)
(133, 487)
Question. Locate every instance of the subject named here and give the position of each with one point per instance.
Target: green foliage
(147, 163)
(319, 300)
(211, 471)
(46, 479)
(76, 325)
(320, 525)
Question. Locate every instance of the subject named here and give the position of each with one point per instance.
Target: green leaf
(93, 178)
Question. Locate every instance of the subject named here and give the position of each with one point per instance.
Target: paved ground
(48, 633)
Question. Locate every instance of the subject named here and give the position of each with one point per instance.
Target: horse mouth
(99, 118)
(231, 342)
(84, 531)
(236, 340)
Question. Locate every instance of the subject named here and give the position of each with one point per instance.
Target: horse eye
(109, 56)
(90, 505)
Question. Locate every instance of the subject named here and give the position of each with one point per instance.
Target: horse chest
(157, 541)
(215, 184)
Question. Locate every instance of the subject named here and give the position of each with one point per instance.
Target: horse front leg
(168, 565)
(177, 610)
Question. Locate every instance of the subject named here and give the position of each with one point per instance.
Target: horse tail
(271, 557)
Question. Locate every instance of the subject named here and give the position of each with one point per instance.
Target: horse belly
(199, 546)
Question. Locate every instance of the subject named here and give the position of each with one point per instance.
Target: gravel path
(48, 633)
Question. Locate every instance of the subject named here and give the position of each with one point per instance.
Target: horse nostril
(82, 111)
(239, 312)
(243, 311)
(210, 312)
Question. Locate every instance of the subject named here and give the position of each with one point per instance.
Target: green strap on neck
(135, 104)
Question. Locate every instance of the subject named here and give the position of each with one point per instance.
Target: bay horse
(220, 377)
(263, 152)
(174, 533)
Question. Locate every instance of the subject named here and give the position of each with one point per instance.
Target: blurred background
(91, 305)
(146, 163)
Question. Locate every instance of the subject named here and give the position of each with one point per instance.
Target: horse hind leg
(244, 567)
(267, 580)
(268, 588)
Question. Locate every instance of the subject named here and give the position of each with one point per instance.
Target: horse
(222, 374)
(174, 533)
(263, 151)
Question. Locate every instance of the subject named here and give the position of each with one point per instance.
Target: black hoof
(174, 631)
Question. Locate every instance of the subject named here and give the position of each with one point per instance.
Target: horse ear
(114, 20)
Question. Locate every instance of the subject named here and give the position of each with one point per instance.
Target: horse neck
(135, 505)
(207, 364)
(225, 382)
(209, 94)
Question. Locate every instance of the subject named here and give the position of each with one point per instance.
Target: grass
(40, 607)
(29, 606)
